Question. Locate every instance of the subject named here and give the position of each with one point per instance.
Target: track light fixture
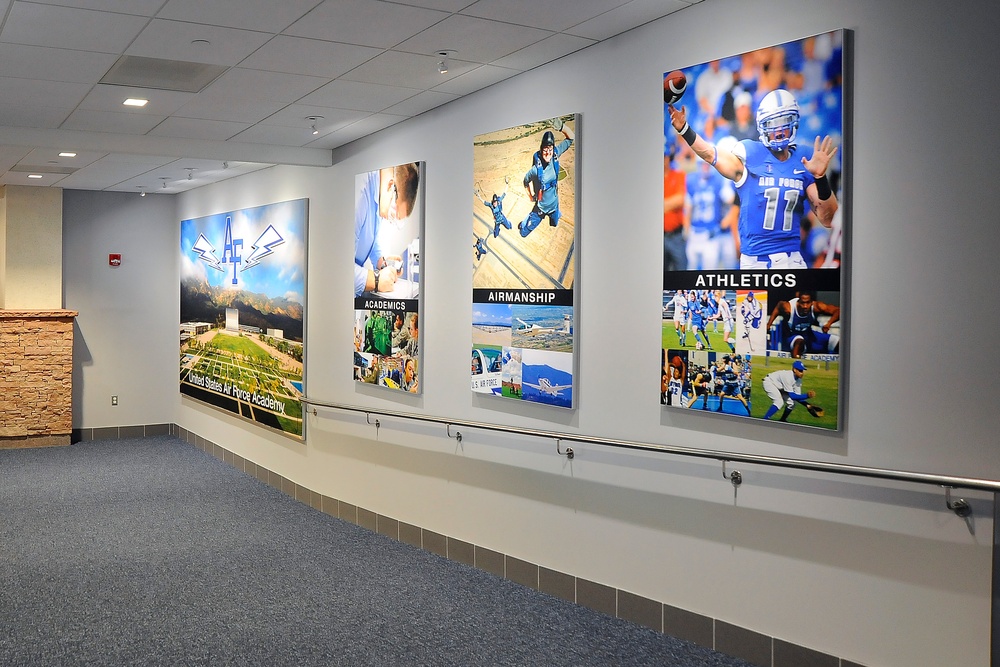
(314, 120)
(443, 62)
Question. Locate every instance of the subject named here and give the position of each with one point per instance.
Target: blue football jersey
(772, 199)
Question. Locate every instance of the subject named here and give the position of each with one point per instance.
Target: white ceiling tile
(411, 70)
(358, 96)
(477, 79)
(152, 184)
(528, 13)
(474, 39)
(177, 40)
(362, 128)
(443, 5)
(198, 128)
(50, 64)
(545, 51)
(21, 178)
(421, 102)
(103, 174)
(137, 7)
(70, 28)
(626, 17)
(219, 108)
(33, 115)
(314, 57)
(110, 121)
(364, 22)
(50, 156)
(328, 119)
(240, 84)
(43, 93)
(147, 161)
(279, 135)
(110, 98)
(11, 155)
(263, 15)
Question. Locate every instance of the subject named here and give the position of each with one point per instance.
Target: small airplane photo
(546, 387)
(533, 329)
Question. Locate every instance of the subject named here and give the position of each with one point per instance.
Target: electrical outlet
(114, 400)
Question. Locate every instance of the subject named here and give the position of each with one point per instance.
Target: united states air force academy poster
(243, 287)
(753, 229)
(523, 243)
(388, 223)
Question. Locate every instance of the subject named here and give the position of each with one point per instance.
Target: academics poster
(388, 224)
(524, 231)
(753, 224)
(242, 314)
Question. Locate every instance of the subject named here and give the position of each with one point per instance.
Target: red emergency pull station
(115, 259)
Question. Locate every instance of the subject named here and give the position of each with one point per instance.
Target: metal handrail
(946, 481)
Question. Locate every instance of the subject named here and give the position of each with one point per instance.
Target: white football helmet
(778, 114)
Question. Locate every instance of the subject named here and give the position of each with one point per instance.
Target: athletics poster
(753, 224)
(242, 313)
(524, 224)
(388, 221)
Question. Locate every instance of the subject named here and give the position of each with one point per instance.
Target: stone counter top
(22, 314)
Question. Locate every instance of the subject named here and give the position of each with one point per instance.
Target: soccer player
(680, 316)
(541, 181)
(772, 186)
(696, 313)
(798, 333)
(784, 388)
(726, 315)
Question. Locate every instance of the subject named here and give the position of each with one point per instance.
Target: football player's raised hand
(678, 118)
(823, 153)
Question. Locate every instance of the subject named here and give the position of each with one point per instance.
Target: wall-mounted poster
(242, 314)
(388, 223)
(753, 225)
(524, 224)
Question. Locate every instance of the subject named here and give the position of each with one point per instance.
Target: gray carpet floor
(151, 552)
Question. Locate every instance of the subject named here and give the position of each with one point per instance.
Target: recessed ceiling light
(135, 102)
(67, 154)
(34, 175)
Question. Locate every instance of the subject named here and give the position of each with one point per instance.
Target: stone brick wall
(36, 377)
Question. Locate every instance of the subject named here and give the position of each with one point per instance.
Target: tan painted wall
(31, 244)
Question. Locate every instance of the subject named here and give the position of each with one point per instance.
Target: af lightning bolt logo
(263, 246)
(206, 252)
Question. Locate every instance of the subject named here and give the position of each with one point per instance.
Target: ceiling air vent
(162, 74)
(40, 169)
